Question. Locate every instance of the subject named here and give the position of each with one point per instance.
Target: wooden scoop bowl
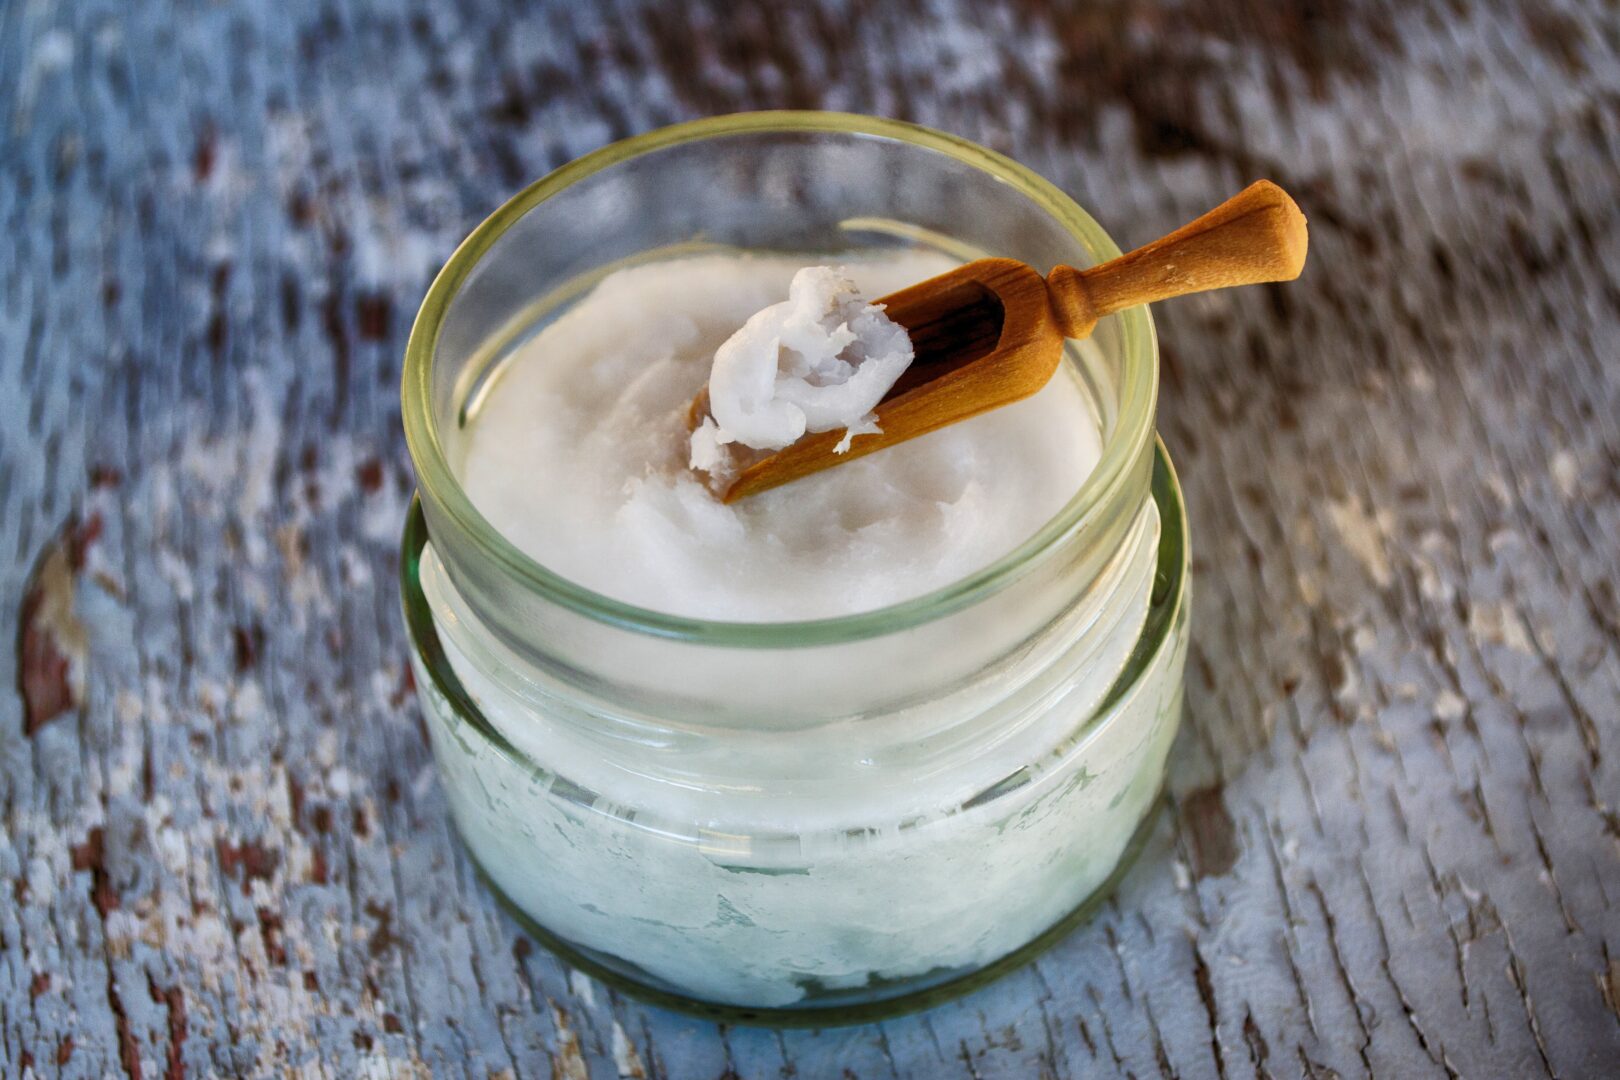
(992, 331)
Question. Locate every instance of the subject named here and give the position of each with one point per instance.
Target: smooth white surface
(579, 456)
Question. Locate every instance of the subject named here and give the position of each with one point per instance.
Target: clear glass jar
(805, 822)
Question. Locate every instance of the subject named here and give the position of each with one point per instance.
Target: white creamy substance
(580, 456)
(821, 359)
(749, 858)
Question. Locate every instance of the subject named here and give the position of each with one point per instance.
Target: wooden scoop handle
(1256, 235)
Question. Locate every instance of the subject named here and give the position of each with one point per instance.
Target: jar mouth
(1122, 448)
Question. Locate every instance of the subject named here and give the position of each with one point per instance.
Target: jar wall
(819, 921)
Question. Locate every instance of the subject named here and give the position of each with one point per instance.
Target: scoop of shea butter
(820, 360)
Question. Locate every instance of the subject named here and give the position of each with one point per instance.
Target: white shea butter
(579, 452)
(820, 360)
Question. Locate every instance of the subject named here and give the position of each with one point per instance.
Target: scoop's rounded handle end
(1257, 235)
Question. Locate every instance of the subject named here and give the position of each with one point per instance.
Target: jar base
(604, 969)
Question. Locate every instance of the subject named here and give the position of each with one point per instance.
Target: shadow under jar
(794, 822)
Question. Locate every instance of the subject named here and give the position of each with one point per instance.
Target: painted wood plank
(1393, 844)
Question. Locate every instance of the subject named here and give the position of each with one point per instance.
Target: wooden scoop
(992, 331)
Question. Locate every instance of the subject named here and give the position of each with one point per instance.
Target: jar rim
(1121, 450)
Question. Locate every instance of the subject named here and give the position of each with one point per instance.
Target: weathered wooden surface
(1394, 844)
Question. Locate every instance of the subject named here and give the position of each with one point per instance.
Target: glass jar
(805, 822)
